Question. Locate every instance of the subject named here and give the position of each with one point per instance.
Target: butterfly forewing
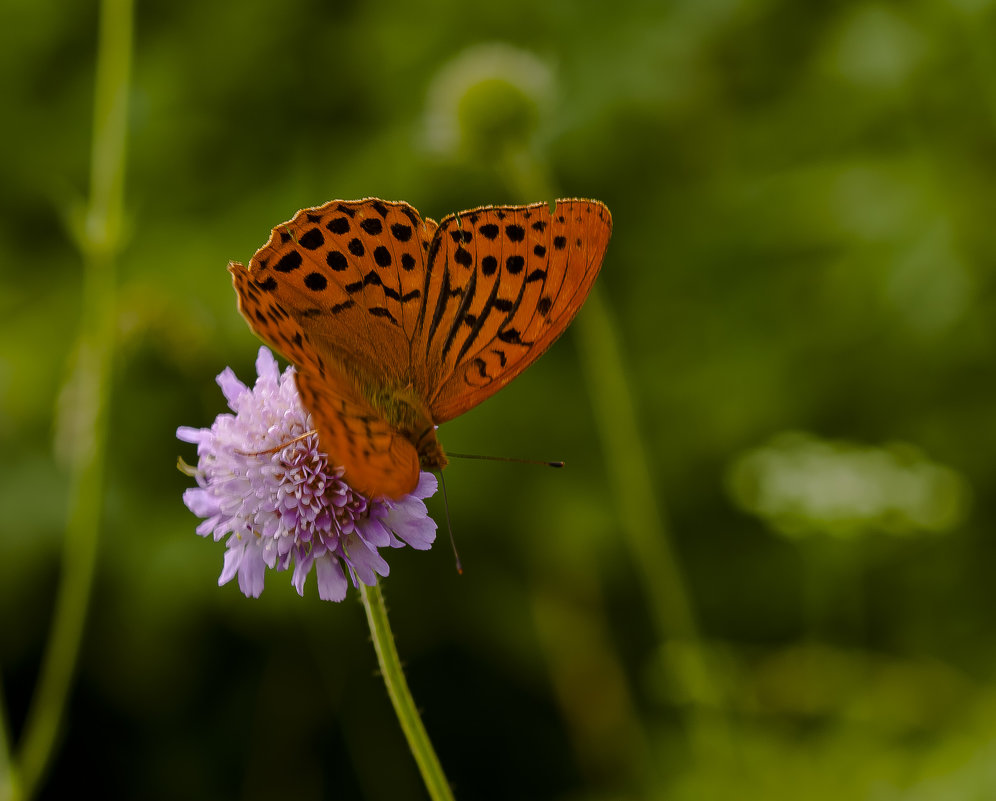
(504, 284)
(268, 318)
(354, 271)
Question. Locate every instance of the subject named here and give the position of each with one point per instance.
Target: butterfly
(397, 324)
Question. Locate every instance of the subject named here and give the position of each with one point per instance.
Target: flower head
(264, 484)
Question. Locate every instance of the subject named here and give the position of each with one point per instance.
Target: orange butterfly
(397, 324)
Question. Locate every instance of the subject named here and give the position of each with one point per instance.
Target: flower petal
(201, 502)
(427, 486)
(231, 386)
(266, 365)
(412, 523)
(365, 561)
(195, 435)
(332, 584)
(251, 572)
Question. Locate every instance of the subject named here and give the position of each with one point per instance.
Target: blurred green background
(766, 572)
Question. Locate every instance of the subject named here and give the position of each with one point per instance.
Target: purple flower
(263, 483)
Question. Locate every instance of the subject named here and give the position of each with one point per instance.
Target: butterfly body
(397, 324)
(405, 411)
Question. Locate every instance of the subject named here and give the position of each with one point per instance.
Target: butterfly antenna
(276, 448)
(541, 462)
(449, 525)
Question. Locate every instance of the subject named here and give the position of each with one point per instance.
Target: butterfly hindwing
(376, 458)
(504, 283)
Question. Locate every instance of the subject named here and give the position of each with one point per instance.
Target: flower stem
(401, 697)
(643, 520)
(83, 425)
(10, 785)
(640, 503)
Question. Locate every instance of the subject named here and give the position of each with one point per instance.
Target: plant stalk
(401, 697)
(87, 394)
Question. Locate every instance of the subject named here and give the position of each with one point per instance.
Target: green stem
(637, 501)
(639, 504)
(401, 697)
(85, 417)
(10, 784)
(643, 521)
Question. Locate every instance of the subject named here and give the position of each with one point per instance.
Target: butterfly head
(430, 453)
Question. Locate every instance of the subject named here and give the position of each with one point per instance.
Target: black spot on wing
(515, 233)
(382, 256)
(478, 324)
(289, 262)
(411, 215)
(372, 279)
(380, 311)
(338, 225)
(468, 299)
(312, 239)
(444, 296)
